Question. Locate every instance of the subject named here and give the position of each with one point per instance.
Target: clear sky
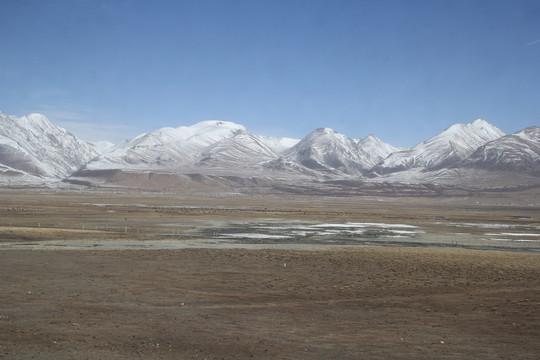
(402, 70)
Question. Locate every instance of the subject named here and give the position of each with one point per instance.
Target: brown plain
(326, 303)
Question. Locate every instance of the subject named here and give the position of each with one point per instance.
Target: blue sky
(401, 70)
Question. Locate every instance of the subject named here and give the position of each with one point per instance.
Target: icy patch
(513, 234)
(326, 230)
(488, 226)
(514, 240)
(254, 236)
(365, 224)
(407, 232)
(284, 227)
(347, 225)
(327, 233)
(383, 225)
(520, 234)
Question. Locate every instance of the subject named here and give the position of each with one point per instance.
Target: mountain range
(224, 156)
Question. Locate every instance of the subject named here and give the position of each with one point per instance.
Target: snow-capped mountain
(443, 150)
(208, 144)
(329, 151)
(515, 152)
(240, 150)
(166, 147)
(225, 155)
(102, 147)
(33, 145)
(375, 150)
(278, 145)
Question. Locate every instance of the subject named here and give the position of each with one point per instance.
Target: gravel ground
(331, 303)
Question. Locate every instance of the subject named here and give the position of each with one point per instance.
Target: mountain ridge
(522, 153)
(327, 150)
(34, 145)
(448, 147)
(226, 155)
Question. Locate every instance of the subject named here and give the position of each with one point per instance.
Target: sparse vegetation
(410, 301)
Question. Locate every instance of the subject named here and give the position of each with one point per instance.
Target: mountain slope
(374, 149)
(329, 151)
(166, 147)
(443, 150)
(224, 155)
(277, 145)
(33, 145)
(241, 150)
(515, 152)
(102, 147)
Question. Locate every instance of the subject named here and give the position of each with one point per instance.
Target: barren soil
(270, 304)
(329, 303)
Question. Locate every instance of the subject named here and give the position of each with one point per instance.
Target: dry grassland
(329, 303)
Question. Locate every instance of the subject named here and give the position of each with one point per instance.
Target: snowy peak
(327, 150)
(467, 136)
(33, 149)
(209, 144)
(532, 133)
(371, 143)
(324, 149)
(102, 147)
(278, 145)
(445, 149)
(167, 147)
(515, 152)
(34, 145)
(375, 149)
(202, 134)
(209, 132)
(326, 139)
(463, 137)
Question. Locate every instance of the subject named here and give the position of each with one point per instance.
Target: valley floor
(363, 302)
(342, 302)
